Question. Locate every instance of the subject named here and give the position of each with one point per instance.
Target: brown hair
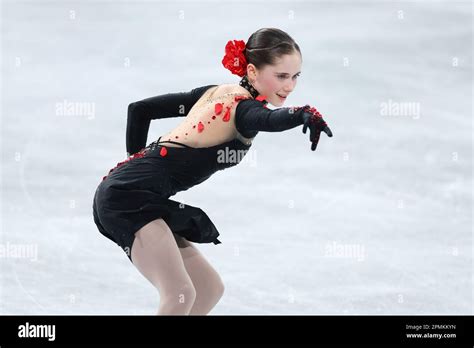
(267, 44)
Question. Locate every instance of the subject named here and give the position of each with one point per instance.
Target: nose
(289, 86)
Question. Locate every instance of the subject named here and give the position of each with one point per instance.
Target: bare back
(202, 127)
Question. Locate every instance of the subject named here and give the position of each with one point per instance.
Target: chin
(277, 102)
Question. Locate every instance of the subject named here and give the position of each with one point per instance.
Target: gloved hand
(313, 120)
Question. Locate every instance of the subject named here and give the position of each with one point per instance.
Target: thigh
(156, 255)
(205, 278)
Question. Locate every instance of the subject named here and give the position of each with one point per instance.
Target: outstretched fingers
(315, 132)
(314, 138)
(328, 131)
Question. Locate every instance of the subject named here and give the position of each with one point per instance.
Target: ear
(252, 72)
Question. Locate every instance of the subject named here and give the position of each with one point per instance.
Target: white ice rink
(378, 220)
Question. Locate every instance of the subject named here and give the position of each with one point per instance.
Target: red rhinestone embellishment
(200, 127)
(241, 97)
(226, 117)
(218, 108)
(312, 110)
(163, 151)
(139, 154)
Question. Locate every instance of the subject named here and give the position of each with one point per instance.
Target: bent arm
(140, 114)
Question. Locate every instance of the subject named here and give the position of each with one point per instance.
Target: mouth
(282, 97)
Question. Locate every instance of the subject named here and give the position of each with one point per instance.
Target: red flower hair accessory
(234, 58)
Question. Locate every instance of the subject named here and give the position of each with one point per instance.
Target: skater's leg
(156, 255)
(206, 280)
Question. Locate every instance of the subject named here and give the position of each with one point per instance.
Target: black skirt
(138, 190)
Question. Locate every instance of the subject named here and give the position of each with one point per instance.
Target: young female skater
(132, 206)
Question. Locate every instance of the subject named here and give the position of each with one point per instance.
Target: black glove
(313, 120)
(251, 116)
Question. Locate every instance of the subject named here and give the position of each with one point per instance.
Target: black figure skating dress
(138, 190)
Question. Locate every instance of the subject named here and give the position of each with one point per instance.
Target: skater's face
(276, 81)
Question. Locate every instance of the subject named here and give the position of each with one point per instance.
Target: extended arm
(251, 116)
(140, 114)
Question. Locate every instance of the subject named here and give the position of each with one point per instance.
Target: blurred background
(378, 220)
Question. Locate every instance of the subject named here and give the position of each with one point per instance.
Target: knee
(211, 290)
(208, 297)
(216, 290)
(186, 295)
(178, 300)
(219, 288)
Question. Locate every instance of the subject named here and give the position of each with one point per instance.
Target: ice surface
(378, 220)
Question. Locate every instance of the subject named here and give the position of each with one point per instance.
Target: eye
(282, 77)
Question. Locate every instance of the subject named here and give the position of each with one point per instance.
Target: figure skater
(131, 204)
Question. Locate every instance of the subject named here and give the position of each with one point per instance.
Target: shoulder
(202, 89)
(231, 90)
